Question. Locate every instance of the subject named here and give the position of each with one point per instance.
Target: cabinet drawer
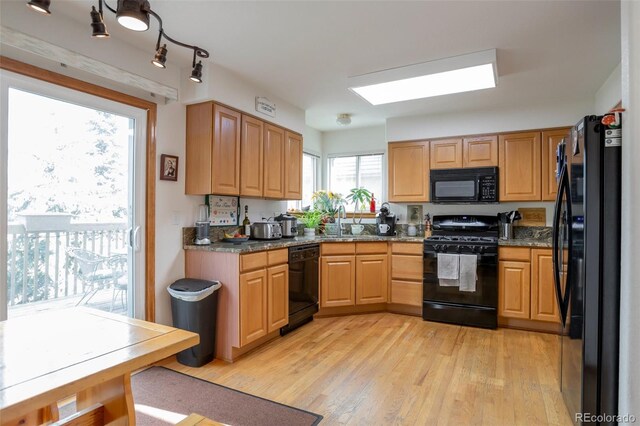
(276, 257)
(371, 248)
(338, 248)
(514, 253)
(406, 292)
(406, 267)
(407, 248)
(252, 261)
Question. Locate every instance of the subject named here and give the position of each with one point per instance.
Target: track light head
(133, 14)
(41, 6)
(196, 74)
(97, 24)
(161, 57)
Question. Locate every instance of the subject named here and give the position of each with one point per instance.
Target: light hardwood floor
(395, 369)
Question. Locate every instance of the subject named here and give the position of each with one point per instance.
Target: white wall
(610, 93)
(487, 121)
(630, 282)
(312, 141)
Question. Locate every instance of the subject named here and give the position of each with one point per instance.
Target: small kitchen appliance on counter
(202, 226)
(289, 225)
(266, 230)
(385, 221)
(460, 279)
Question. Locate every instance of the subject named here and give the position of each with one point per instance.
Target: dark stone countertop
(525, 242)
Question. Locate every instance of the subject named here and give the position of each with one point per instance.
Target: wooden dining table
(91, 354)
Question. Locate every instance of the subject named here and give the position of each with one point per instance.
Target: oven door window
(456, 189)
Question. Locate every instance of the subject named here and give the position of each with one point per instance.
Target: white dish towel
(468, 275)
(448, 270)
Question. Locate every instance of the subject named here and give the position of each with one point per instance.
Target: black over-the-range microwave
(472, 185)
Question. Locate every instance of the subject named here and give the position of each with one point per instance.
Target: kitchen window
(346, 172)
(309, 181)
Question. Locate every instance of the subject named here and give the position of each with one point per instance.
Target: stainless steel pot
(289, 225)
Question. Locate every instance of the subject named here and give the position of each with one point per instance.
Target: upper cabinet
(550, 141)
(230, 153)
(481, 151)
(293, 166)
(213, 150)
(409, 171)
(446, 154)
(252, 153)
(520, 166)
(273, 161)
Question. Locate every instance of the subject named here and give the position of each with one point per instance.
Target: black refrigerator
(586, 262)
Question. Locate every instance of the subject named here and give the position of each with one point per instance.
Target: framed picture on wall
(169, 167)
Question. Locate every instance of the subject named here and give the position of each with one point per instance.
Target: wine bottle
(246, 223)
(372, 204)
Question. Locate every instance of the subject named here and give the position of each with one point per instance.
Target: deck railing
(38, 265)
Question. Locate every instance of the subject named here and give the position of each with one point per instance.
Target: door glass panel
(69, 206)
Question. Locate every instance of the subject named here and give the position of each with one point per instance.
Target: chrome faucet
(344, 211)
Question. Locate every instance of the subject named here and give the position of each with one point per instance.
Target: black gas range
(460, 281)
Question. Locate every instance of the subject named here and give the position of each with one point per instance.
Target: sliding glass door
(72, 200)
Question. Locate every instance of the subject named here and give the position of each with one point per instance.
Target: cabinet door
(550, 141)
(198, 149)
(520, 167)
(277, 297)
(293, 166)
(544, 306)
(406, 292)
(371, 278)
(409, 171)
(481, 151)
(273, 158)
(253, 306)
(406, 267)
(251, 154)
(226, 151)
(514, 285)
(446, 154)
(338, 281)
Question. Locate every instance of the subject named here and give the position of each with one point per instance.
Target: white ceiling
(304, 51)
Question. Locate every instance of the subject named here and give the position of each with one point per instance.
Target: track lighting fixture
(161, 57)
(196, 74)
(134, 15)
(41, 6)
(97, 23)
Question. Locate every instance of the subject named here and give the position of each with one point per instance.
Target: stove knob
(480, 249)
(458, 249)
(436, 247)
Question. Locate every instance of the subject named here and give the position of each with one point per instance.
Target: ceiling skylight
(464, 73)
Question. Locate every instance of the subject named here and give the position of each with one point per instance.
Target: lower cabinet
(253, 306)
(277, 297)
(406, 274)
(348, 279)
(526, 286)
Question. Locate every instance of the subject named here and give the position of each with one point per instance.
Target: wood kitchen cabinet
(293, 166)
(212, 150)
(406, 274)
(544, 306)
(480, 151)
(550, 141)
(371, 278)
(337, 283)
(277, 297)
(446, 154)
(519, 156)
(409, 171)
(252, 157)
(514, 289)
(274, 149)
(253, 306)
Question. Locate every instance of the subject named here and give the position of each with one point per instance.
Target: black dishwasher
(304, 271)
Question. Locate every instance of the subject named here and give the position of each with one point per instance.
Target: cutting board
(533, 216)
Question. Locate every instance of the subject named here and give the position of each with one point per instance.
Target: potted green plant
(360, 198)
(329, 203)
(310, 219)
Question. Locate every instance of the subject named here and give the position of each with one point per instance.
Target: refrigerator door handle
(557, 263)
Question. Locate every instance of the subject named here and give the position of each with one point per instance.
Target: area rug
(163, 396)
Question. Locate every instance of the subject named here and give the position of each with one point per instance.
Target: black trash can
(194, 305)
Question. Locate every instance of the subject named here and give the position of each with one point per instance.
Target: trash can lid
(192, 285)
